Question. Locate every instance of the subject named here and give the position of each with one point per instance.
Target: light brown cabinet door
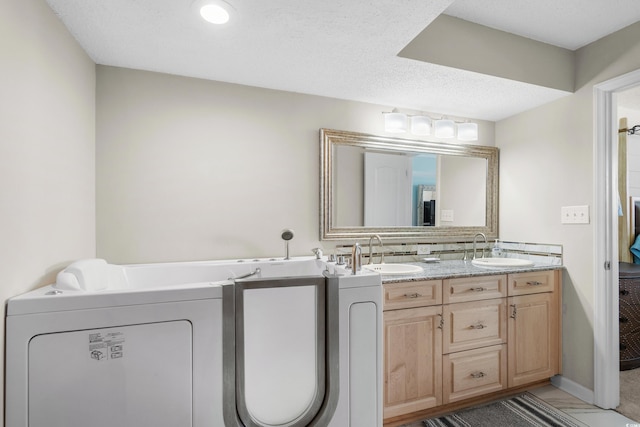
(412, 360)
(533, 343)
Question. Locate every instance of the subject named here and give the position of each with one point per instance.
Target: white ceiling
(341, 49)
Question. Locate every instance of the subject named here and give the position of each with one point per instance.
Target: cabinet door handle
(413, 295)
(479, 289)
(534, 283)
(513, 311)
(478, 326)
(479, 374)
(441, 325)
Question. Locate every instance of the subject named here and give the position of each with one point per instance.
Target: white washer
(115, 358)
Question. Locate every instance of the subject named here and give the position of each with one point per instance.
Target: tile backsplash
(539, 253)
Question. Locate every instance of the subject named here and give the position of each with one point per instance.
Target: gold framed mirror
(406, 189)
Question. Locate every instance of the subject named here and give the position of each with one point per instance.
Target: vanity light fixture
(468, 131)
(445, 128)
(395, 122)
(420, 125)
(217, 12)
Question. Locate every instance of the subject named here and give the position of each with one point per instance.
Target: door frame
(606, 353)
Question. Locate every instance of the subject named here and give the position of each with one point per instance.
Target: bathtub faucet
(356, 258)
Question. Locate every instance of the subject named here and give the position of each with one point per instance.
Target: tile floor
(585, 414)
(589, 415)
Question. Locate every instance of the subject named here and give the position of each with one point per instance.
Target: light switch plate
(574, 214)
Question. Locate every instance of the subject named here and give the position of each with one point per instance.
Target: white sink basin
(501, 262)
(389, 269)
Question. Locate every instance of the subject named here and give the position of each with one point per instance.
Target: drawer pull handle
(478, 326)
(413, 295)
(477, 289)
(477, 374)
(534, 283)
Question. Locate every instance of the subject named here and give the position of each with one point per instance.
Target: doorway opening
(606, 331)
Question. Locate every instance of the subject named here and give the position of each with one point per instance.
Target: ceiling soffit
(456, 43)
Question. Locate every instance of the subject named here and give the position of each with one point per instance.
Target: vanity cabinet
(534, 327)
(447, 341)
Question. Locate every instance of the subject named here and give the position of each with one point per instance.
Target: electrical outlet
(574, 214)
(424, 250)
(446, 215)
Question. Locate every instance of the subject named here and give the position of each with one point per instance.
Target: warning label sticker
(106, 345)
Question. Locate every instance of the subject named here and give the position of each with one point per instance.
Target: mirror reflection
(406, 188)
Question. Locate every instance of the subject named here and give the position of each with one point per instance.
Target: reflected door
(387, 190)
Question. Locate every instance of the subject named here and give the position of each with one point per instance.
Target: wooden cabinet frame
(452, 341)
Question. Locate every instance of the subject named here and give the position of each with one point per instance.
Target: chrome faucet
(356, 258)
(375, 236)
(317, 252)
(474, 244)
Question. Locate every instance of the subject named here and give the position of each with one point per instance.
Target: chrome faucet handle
(317, 252)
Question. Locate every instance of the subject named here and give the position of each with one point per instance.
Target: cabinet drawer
(533, 282)
(474, 372)
(412, 294)
(474, 324)
(473, 288)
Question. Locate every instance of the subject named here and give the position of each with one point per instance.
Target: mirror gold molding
(330, 140)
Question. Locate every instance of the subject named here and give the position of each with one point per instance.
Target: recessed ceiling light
(215, 11)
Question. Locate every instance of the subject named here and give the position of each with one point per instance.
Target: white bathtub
(165, 322)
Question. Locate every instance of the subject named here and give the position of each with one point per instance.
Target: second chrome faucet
(375, 236)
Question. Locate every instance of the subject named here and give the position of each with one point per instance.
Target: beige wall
(191, 169)
(47, 148)
(546, 161)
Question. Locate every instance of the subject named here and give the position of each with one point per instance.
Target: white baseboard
(573, 388)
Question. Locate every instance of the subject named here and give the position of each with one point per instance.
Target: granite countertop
(458, 268)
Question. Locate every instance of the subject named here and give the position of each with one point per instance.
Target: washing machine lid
(49, 299)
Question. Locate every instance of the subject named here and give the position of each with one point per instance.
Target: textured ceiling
(340, 49)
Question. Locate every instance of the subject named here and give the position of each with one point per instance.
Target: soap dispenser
(496, 252)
